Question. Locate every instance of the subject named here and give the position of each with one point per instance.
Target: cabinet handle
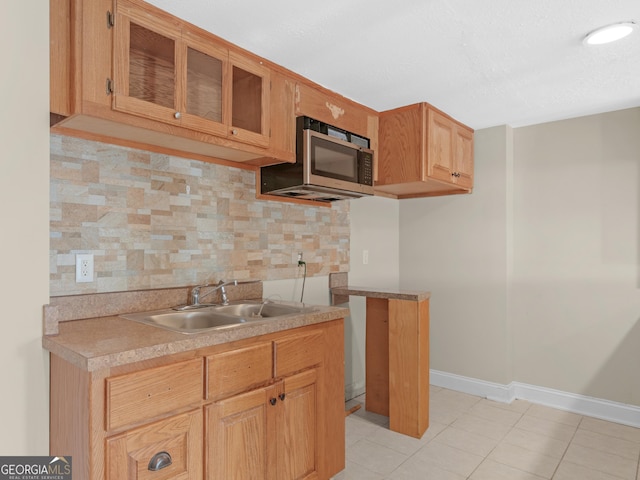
(159, 461)
(273, 400)
(234, 132)
(282, 395)
(455, 174)
(177, 115)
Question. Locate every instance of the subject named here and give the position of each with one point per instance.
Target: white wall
(374, 227)
(576, 259)
(314, 290)
(24, 242)
(535, 277)
(456, 247)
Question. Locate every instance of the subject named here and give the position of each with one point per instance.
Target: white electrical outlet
(84, 267)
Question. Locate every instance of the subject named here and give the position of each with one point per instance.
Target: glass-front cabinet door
(250, 86)
(146, 75)
(205, 106)
(166, 72)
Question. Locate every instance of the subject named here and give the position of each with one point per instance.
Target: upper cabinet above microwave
(164, 83)
(329, 107)
(423, 152)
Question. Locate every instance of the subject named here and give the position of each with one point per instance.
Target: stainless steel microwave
(331, 164)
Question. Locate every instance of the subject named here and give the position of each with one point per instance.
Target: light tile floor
(473, 438)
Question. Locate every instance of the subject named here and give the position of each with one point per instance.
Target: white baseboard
(571, 402)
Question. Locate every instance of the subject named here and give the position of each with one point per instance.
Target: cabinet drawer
(139, 396)
(172, 446)
(298, 352)
(236, 371)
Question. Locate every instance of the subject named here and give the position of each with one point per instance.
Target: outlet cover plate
(84, 267)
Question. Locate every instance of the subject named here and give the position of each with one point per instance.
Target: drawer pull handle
(282, 395)
(159, 461)
(273, 400)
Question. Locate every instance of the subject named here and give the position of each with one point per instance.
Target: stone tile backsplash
(158, 221)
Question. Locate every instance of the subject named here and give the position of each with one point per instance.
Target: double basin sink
(195, 320)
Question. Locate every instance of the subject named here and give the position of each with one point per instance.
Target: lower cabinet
(268, 407)
(297, 429)
(238, 443)
(272, 431)
(167, 449)
(268, 433)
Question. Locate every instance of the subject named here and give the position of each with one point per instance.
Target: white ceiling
(486, 63)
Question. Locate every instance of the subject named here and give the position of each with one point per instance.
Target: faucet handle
(195, 294)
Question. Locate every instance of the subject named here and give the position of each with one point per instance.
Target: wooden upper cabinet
(145, 64)
(283, 116)
(168, 72)
(146, 78)
(450, 150)
(250, 88)
(127, 72)
(329, 107)
(423, 152)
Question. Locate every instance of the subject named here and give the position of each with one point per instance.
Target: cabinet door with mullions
(168, 71)
(250, 87)
(205, 102)
(146, 64)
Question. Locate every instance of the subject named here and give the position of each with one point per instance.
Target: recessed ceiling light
(610, 33)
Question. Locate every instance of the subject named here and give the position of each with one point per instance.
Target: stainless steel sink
(215, 317)
(260, 310)
(192, 321)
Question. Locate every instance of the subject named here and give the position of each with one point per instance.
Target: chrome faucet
(196, 296)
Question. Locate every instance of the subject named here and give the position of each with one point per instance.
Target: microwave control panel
(365, 168)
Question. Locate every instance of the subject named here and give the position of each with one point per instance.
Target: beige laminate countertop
(104, 342)
(376, 292)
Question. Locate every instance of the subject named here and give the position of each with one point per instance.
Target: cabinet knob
(159, 461)
(177, 115)
(282, 395)
(273, 400)
(455, 174)
(234, 132)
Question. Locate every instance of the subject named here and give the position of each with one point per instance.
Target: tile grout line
(581, 425)
(567, 447)
(486, 457)
(582, 419)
